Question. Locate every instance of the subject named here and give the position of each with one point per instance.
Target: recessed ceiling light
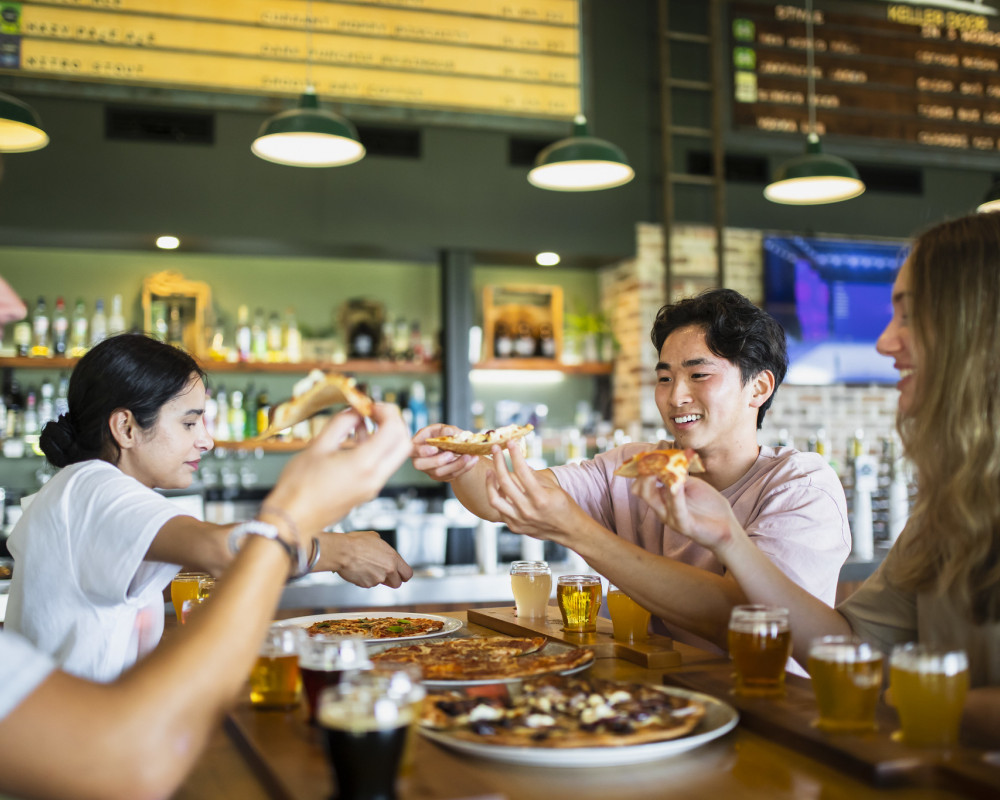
(167, 242)
(547, 259)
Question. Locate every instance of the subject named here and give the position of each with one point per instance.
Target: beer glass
(366, 721)
(760, 643)
(629, 620)
(531, 583)
(928, 689)
(274, 679)
(847, 676)
(183, 587)
(324, 660)
(579, 599)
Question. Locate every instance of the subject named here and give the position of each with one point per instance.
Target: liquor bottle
(30, 415)
(78, 329)
(46, 404)
(258, 337)
(415, 351)
(362, 341)
(275, 350)
(546, 342)
(22, 338)
(387, 344)
(211, 415)
(503, 345)
(243, 336)
(98, 324)
(158, 319)
(524, 344)
(249, 413)
(222, 416)
(175, 326)
(237, 416)
(293, 338)
(116, 322)
(40, 331)
(418, 407)
(401, 339)
(263, 411)
(60, 329)
(62, 401)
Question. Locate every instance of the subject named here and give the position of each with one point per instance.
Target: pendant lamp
(308, 136)
(991, 202)
(20, 128)
(816, 177)
(581, 163)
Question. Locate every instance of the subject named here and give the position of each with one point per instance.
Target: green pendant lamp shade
(308, 136)
(814, 178)
(581, 163)
(992, 200)
(20, 129)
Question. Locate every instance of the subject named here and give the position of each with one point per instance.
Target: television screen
(833, 297)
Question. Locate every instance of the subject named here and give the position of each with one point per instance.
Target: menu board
(509, 57)
(922, 74)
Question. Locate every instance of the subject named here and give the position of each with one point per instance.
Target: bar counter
(260, 755)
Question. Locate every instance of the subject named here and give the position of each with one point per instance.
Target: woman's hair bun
(58, 442)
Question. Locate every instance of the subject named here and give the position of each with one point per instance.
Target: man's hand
(528, 504)
(364, 559)
(697, 511)
(441, 465)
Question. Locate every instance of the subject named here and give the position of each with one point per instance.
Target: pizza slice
(323, 391)
(481, 443)
(670, 466)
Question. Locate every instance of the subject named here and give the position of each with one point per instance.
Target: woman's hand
(441, 465)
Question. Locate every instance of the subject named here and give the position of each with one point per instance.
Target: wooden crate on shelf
(537, 306)
(191, 299)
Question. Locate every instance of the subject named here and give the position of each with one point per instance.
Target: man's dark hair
(735, 329)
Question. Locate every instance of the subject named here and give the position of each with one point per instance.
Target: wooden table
(282, 760)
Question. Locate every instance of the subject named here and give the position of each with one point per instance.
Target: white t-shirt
(22, 669)
(81, 591)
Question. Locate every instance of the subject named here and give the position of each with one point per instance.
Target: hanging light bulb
(308, 136)
(816, 177)
(20, 128)
(581, 163)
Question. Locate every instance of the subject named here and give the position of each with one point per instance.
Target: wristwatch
(256, 527)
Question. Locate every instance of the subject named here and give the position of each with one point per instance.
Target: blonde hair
(952, 545)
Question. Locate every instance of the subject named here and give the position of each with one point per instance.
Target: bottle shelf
(269, 446)
(367, 366)
(584, 368)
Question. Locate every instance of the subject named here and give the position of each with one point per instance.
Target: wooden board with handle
(655, 652)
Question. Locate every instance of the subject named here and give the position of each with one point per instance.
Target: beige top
(887, 616)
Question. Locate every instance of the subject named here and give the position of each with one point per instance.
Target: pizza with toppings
(318, 392)
(670, 466)
(487, 658)
(376, 627)
(566, 712)
(481, 443)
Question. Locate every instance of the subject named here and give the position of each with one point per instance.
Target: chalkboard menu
(509, 57)
(921, 74)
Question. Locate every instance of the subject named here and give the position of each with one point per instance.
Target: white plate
(719, 719)
(450, 623)
(549, 646)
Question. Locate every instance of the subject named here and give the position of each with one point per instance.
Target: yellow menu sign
(510, 57)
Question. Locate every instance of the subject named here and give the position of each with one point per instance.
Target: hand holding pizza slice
(326, 390)
(670, 466)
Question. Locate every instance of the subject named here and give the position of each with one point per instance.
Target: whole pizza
(486, 658)
(377, 627)
(566, 712)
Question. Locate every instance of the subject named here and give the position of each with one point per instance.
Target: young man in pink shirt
(720, 361)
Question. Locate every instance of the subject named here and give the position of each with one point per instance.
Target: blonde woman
(940, 584)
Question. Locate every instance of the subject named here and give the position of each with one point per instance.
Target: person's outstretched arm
(138, 737)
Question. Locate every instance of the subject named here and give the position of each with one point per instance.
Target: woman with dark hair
(96, 547)
(940, 583)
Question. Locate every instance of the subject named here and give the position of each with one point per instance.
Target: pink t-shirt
(790, 503)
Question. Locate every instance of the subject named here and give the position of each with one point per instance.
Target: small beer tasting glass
(367, 724)
(760, 644)
(579, 599)
(531, 583)
(928, 687)
(324, 660)
(846, 674)
(274, 679)
(183, 587)
(629, 620)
